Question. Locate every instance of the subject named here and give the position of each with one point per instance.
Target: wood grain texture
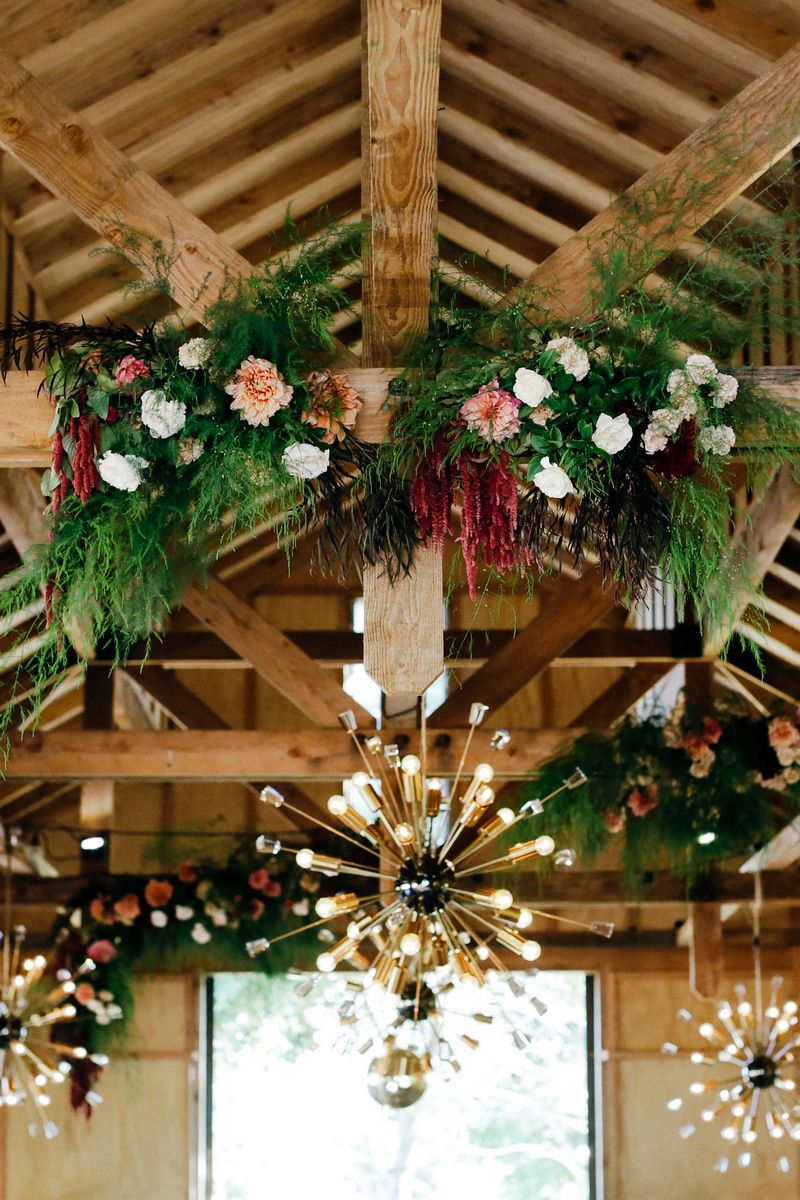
(400, 88)
(706, 959)
(403, 630)
(612, 704)
(579, 604)
(25, 416)
(326, 754)
(275, 658)
(673, 200)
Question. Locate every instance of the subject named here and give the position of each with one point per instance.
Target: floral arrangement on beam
(699, 787)
(520, 439)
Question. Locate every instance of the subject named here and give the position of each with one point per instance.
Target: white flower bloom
(162, 417)
(159, 918)
(551, 480)
(718, 439)
(675, 380)
(687, 405)
(183, 912)
(571, 357)
(122, 471)
(654, 440)
(612, 434)
(301, 908)
(194, 354)
(189, 450)
(201, 935)
(667, 420)
(700, 368)
(301, 460)
(726, 390)
(530, 387)
(218, 915)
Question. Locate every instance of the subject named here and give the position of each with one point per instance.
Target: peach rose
(97, 908)
(128, 908)
(334, 404)
(492, 412)
(642, 802)
(158, 892)
(84, 992)
(695, 745)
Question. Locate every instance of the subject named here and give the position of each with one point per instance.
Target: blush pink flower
(334, 405)
(101, 951)
(712, 730)
(259, 879)
(97, 908)
(614, 819)
(272, 889)
(492, 412)
(783, 733)
(695, 745)
(127, 908)
(642, 802)
(258, 391)
(84, 992)
(131, 368)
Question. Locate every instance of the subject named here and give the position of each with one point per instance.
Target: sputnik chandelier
(30, 1012)
(431, 925)
(755, 1043)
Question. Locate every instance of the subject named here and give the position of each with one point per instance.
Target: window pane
(291, 1114)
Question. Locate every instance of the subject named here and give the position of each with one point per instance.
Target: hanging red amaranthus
(489, 513)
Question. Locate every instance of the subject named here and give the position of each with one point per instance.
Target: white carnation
(122, 471)
(162, 417)
(571, 357)
(158, 918)
(553, 481)
(667, 420)
(530, 387)
(184, 912)
(718, 439)
(612, 434)
(687, 406)
(654, 440)
(700, 368)
(194, 354)
(304, 461)
(200, 934)
(675, 380)
(726, 390)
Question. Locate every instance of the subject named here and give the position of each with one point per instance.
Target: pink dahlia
(131, 368)
(101, 951)
(258, 391)
(492, 412)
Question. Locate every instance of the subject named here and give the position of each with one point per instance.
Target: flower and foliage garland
(203, 915)
(685, 792)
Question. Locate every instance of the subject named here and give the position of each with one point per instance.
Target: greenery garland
(202, 916)
(695, 789)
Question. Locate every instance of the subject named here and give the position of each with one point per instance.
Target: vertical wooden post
(706, 959)
(404, 634)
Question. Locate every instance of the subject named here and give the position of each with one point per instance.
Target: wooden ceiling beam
(586, 63)
(565, 618)
(221, 120)
(273, 656)
(403, 643)
(755, 129)
(324, 755)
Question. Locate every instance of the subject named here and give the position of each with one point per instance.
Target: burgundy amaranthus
(489, 513)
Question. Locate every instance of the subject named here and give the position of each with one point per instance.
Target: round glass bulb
(484, 772)
(361, 778)
(502, 899)
(506, 815)
(326, 962)
(410, 943)
(337, 805)
(706, 1030)
(531, 951)
(525, 918)
(325, 907)
(304, 858)
(404, 833)
(410, 764)
(544, 845)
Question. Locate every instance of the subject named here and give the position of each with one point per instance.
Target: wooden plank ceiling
(243, 109)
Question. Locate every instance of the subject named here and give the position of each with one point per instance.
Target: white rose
(551, 480)
(162, 417)
(194, 354)
(122, 471)
(530, 387)
(570, 356)
(612, 434)
(158, 918)
(654, 440)
(183, 912)
(718, 439)
(726, 390)
(301, 908)
(201, 935)
(304, 461)
(700, 368)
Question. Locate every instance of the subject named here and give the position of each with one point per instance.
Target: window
(289, 1114)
